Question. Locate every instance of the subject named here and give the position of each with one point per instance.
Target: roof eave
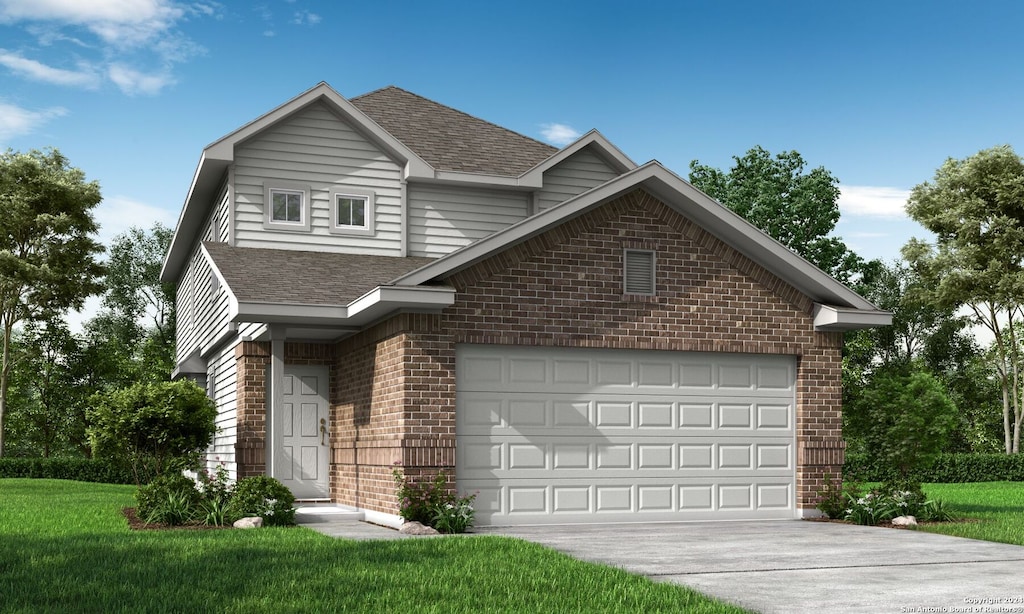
(684, 198)
(370, 307)
(832, 318)
(604, 148)
(220, 154)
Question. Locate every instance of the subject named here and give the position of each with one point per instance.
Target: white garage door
(550, 435)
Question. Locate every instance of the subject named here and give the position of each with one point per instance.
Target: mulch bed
(137, 524)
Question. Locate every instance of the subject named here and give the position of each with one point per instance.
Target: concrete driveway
(799, 566)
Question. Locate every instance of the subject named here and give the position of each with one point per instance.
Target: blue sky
(879, 93)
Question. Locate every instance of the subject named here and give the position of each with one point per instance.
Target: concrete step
(309, 513)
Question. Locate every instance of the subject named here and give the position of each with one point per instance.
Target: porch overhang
(832, 318)
(370, 307)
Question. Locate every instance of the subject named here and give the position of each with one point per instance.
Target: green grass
(994, 511)
(64, 546)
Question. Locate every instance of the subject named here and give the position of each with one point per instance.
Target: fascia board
(374, 304)
(749, 240)
(402, 298)
(521, 231)
(205, 182)
(284, 313)
(606, 149)
(688, 201)
(480, 179)
(832, 318)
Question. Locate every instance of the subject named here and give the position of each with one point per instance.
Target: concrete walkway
(778, 566)
(799, 566)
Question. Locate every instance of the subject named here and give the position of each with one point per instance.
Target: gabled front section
(575, 338)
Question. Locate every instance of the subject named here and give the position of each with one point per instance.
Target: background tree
(975, 207)
(798, 209)
(138, 316)
(47, 412)
(47, 245)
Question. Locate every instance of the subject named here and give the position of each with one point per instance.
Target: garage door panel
(572, 435)
(538, 413)
(483, 458)
(522, 501)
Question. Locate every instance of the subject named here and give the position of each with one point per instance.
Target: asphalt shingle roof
(305, 278)
(449, 139)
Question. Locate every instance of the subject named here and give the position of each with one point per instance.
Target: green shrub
(264, 497)
(169, 499)
(454, 516)
(431, 503)
(417, 500)
(834, 498)
(945, 468)
(163, 423)
(101, 470)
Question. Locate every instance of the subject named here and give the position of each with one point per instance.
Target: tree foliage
(904, 420)
(975, 207)
(163, 423)
(797, 208)
(48, 248)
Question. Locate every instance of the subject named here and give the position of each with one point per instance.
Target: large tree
(48, 249)
(797, 208)
(975, 207)
(138, 312)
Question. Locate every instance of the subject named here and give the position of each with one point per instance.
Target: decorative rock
(904, 521)
(253, 522)
(417, 528)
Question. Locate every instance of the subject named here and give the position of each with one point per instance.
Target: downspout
(403, 247)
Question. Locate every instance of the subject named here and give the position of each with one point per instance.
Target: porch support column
(276, 395)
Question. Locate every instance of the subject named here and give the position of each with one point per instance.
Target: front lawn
(64, 546)
(993, 511)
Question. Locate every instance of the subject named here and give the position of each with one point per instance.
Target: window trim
(369, 196)
(303, 225)
(625, 271)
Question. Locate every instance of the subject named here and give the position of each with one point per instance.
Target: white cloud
(117, 214)
(134, 82)
(117, 22)
(123, 35)
(306, 18)
(559, 134)
(85, 77)
(16, 121)
(871, 201)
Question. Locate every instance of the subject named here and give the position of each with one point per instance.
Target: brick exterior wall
(393, 385)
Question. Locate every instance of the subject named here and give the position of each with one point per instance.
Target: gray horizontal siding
(222, 376)
(443, 219)
(574, 175)
(317, 149)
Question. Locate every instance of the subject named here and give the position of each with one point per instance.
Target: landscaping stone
(904, 521)
(254, 522)
(417, 528)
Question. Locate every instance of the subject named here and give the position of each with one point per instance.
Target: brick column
(251, 358)
(819, 398)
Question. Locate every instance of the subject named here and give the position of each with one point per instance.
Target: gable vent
(639, 272)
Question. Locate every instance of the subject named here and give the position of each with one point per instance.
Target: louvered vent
(639, 272)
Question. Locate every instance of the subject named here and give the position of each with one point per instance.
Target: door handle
(323, 430)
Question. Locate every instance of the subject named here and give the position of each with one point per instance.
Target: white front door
(302, 428)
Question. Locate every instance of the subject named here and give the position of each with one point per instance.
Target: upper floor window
(352, 211)
(286, 207)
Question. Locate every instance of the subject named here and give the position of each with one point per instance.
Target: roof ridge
(460, 112)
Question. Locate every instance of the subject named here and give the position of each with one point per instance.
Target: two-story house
(384, 280)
